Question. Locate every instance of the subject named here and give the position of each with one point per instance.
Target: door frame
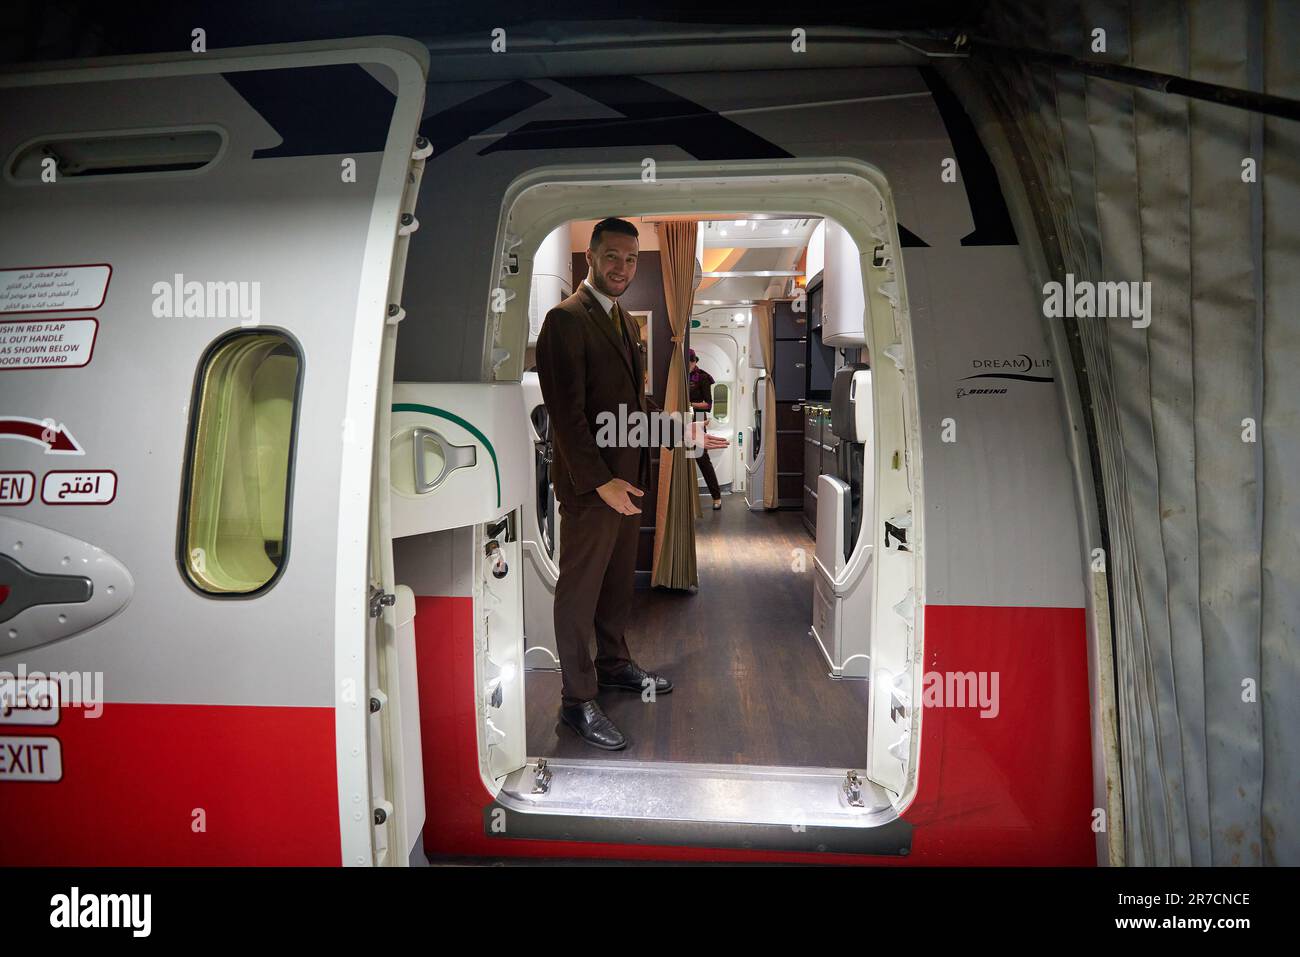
(857, 196)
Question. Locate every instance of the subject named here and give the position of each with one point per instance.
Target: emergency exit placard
(29, 758)
(54, 288)
(47, 343)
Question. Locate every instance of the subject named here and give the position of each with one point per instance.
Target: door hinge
(853, 789)
(379, 600)
(510, 258)
(541, 777)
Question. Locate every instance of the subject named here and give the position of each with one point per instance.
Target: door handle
(453, 457)
(24, 588)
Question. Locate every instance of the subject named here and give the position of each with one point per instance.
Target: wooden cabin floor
(750, 683)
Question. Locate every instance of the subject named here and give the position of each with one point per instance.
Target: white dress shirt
(605, 302)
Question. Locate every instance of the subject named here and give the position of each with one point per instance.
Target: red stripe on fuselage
(133, 778)
(1015, 789)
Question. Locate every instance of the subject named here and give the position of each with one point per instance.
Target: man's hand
(696, 435)
(615, 494)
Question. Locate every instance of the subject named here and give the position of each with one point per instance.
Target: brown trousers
(593, 595)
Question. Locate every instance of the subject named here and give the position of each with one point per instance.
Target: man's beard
(599, 282)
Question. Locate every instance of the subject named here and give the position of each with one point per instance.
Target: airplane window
(238, 468)
(721, 401)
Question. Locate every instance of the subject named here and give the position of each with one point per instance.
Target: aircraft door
(194, 274)
(460, 458)
(717, 355)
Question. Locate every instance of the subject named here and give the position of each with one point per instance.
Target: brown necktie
(617, 315)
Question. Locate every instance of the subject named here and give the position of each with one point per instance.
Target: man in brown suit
(588, 363)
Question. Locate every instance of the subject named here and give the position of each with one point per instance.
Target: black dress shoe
(594, 727)
(632, 677)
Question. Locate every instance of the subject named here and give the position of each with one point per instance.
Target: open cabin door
(194, 271)
(459, 468)
(718, 357)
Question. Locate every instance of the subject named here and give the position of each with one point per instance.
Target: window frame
(187, 465)
(713, 402)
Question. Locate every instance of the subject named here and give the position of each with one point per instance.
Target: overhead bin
(855, 284)
(843, 303)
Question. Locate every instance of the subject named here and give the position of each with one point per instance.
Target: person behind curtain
(701, 395)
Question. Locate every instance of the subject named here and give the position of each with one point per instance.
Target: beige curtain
(677, 505)
(763, 316)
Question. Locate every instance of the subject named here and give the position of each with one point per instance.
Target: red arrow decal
(56, 438)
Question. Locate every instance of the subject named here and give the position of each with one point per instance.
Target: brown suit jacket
(585, 370)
